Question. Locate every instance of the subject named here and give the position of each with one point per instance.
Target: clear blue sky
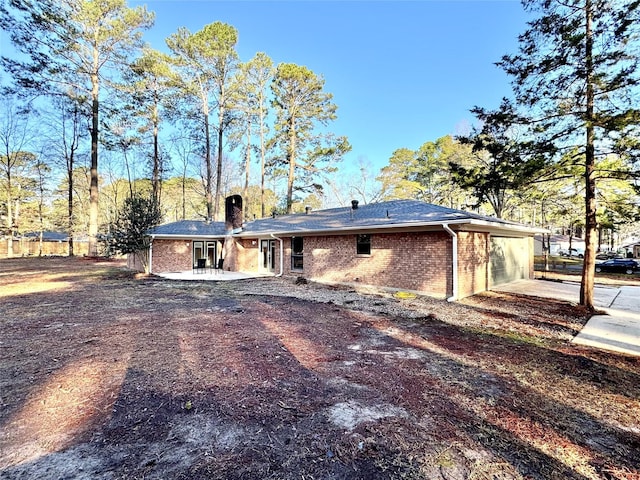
(402, 72)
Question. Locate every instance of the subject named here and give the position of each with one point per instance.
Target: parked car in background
(618, 265)
(571, 252)
(608, 255)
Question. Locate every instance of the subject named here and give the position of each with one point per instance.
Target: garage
(509, 260)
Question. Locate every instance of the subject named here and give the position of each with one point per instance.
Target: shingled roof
(190, 228)
(384, 215)
(396, 213)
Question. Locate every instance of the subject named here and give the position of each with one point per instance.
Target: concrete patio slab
(211, 275)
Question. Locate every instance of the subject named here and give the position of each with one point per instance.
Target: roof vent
(354, 204)
(307, 210)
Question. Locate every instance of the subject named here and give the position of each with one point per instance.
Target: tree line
(111, 93)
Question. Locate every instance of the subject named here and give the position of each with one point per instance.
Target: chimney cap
(354, 204)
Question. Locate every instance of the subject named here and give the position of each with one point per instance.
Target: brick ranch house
(401, 244)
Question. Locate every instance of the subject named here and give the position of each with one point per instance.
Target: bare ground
(105, 374)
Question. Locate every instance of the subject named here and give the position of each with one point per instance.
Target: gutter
(281, 254)
(454, 254)
(482, 225)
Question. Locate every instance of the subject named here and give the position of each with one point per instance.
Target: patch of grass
(558, 260)
(518, 337)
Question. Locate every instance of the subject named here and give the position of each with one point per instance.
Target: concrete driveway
(617, 330)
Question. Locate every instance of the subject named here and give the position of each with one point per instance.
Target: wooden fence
(34, 248)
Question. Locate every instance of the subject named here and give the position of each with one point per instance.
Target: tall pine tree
(574, 77)
(206, 61)
(72, 45)
(301, 105)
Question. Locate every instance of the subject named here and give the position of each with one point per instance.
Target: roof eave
(511, 227)
(400, 226)
(184, 236)
(333, 230)
(471, 223)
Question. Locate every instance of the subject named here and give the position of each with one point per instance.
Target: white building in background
(559, 243)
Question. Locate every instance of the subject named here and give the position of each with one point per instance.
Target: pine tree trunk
(207, 159)
(221, 110)
(292, 164)
(247, 172)
(588, 269)
(93, 188)
(70, 203)
(155, 180)
(262, 165)
(9, 221)
(216, 209)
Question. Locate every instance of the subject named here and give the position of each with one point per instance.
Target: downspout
(281, 254)
(151, 255)
(454, 253)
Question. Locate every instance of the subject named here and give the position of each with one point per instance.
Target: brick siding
(244, 257)
(172, 256)
(419, 261)
(473, 263)
(411, 261)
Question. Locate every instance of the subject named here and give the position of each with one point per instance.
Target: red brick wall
(411, 261)
(233, 254)
(473, 263)
(177, 255)
(172, 256)
(286, 256)
(243, 256)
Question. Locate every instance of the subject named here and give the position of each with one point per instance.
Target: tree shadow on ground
(218, 385)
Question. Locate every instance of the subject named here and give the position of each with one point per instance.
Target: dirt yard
(105, 374)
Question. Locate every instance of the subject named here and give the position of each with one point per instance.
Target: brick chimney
(233, 214)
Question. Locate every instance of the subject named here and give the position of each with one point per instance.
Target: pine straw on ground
(105, 374)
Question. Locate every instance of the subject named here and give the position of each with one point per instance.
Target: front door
(267, 256)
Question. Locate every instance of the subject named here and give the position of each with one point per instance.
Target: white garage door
(509, 260)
